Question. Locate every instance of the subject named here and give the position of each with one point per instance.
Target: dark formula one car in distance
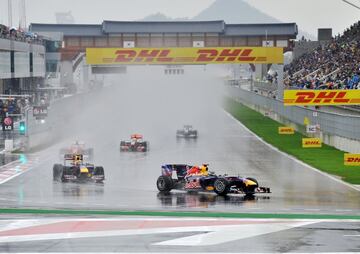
(193, 178)
(75, 170)
(187, 132)
(78, 147)
(135, 144)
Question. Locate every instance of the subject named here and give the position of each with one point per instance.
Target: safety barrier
(341, 131)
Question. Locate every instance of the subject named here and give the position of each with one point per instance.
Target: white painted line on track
(292, 157)
(343, 210)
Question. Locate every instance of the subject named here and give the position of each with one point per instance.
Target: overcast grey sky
(309, 14)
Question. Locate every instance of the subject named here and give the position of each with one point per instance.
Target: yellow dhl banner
(286, 130)
(321, 97)
(214, 55)
(311, 142)
(351, 159)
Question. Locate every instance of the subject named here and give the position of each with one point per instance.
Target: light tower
(9, 13)
(22, 8)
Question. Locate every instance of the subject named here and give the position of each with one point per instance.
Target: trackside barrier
(340, 131)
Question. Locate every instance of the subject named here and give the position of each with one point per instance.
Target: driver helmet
(204, 169)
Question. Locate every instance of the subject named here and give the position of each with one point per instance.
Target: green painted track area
(327, 158)
(46, 212)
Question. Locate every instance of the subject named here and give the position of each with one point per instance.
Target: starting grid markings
(15, 168)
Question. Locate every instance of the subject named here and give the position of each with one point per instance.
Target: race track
(155, 106)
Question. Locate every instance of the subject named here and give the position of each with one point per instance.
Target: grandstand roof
(217, 26)
(288, 29)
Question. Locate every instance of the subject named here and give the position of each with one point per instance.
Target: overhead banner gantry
(213, 55)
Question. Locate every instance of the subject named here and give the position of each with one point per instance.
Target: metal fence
(346, 126)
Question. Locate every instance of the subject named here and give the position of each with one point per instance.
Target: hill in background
(231, 11)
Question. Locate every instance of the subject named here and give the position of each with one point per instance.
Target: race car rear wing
(73, 157)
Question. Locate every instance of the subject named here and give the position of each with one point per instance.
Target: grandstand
(336, 65)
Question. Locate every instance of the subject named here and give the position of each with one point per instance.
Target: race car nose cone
(84, 170)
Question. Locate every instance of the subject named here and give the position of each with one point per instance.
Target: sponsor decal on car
(214, 55)
(311, 142)
(321, 97)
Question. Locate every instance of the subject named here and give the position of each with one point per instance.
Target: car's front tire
(221, 186)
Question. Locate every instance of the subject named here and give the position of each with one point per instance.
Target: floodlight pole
(9, 13)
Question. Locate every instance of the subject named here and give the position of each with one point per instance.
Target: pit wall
(336, 130)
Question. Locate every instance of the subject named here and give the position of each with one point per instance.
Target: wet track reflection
(205, 200)
(130, 178)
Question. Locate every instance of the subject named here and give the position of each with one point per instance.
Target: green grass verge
(47, 212)
(327, 158)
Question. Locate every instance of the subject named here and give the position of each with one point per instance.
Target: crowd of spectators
(17, 34)
(335, 65)
(13, 105)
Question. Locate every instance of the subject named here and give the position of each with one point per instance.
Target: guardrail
(346, 126)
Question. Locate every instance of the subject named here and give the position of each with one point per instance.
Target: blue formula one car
(194, 178)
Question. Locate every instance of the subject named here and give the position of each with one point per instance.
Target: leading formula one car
(135, 144)
(75, 170)
(194, 178)
(187, 132)
(78, 148)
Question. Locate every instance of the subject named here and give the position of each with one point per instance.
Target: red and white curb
(16, 168)
(207, 231)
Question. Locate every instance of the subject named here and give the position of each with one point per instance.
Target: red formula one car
(135, 144)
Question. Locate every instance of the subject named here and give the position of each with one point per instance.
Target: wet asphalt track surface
(136, 105)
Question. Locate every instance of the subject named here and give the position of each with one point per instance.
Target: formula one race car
(78, 148)
(187, 132)
(75, 170)
(194, 178)
(135, 144)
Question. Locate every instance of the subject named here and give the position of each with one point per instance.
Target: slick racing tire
(164, 183)
(221, 186)
(122, 143)
(99, 171)
(57, 172)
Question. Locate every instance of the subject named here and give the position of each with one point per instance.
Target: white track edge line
(290, 156)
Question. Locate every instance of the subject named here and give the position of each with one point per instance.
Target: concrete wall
(339, 131)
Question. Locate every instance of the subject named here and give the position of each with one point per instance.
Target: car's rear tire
(122, 143)
(164, 183)
(221, 186)
(57, 172)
